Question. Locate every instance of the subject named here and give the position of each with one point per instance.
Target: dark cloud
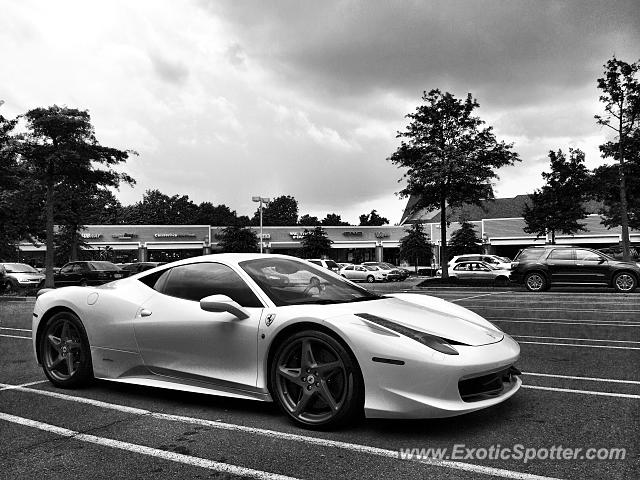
(169, 70)
(503, 52)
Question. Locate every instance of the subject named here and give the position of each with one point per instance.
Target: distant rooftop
(497, 208)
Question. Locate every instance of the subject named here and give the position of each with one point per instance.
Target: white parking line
(584, 392)
(15, 336)
(477, 296)
(353, 447)
(12, 387)
(591, 379)
(16, 329)
(144, 450)
(554, 320)
(568, 323)
(581, 345)
(577, 339)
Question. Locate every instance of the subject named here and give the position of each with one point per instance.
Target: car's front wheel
(624, 282)
(315, 381)
(64, 351)
(371, 279)
(535, 282)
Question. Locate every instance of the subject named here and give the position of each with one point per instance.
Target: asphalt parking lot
(580, 358)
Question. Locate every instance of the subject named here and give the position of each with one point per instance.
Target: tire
(535, 282)
(83, 283)
(624, 282)
(316, 382)
(371, 279)
(64, 351)
(8, 287)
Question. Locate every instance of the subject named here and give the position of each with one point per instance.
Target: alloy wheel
(312, 381)
(535, 282)
(625, 282)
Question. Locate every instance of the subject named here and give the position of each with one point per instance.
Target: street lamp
(261, 200)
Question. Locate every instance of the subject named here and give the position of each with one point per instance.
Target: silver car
(19, 276)
(479, 272)
(363, 273)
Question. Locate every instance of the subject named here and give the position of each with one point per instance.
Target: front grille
(486, 386)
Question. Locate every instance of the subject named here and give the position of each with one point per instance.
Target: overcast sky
(228, 99)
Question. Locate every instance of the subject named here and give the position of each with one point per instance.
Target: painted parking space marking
(581, 345)
(566, 323)
(16, 329)
(591, 379)
(144, 450)
(577, 339)
(274, 434)
(584, 392)
(15, 336)
(13, 387)
(478, 296)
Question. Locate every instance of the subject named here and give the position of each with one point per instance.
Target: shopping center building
(499, 224)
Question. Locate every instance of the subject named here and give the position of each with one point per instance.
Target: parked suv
(330, 264)
(538, 268)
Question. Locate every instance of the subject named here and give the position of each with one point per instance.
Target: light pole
(261, 200)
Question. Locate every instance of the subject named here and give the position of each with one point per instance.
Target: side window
(66, 269)
(587, 256)
(198, 280)
(350, 267)
(316, 262)
(561, 254)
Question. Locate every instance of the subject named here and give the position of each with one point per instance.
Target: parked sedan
(393, 273)
(88, 273)
(479, 272)
(20, 275)
(363, 273)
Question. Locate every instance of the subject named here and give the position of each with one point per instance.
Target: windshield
(292, 282)
(19, 268)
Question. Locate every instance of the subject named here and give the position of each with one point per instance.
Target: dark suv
(540, 267)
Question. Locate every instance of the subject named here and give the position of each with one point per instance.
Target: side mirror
(222, 303)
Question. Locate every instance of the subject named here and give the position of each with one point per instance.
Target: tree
(157, 208)
(21, 199)
(333, 220)
(308, 221)
(281, 210)
(464, 240)
(372, 219)
(621, 96)
(451, 158)
(219, 215)
(559, 204)
(606, 188)
(60, 149)
(315, 243)
(415, 246)
(238, 239)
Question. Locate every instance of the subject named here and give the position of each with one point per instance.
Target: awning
(174, 245)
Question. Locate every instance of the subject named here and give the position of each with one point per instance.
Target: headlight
(439, 344)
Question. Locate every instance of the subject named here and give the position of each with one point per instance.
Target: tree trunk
(74, 244)
(443, 239)
(624, 219)
(49, 254)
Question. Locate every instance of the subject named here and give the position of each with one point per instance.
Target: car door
(562, 265)
(349, 272)
(591, 267)
(177, 338)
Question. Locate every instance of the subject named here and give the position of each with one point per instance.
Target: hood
(26, 276)
(443, 319)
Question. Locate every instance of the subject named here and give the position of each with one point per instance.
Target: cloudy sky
(228, 99)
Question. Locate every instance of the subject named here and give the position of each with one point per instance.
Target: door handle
(145, 313)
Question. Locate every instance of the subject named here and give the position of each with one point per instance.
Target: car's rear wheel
(535, 282)
(371, 279)
(83, 283)
(315, 381)
(8, 287)
(64, 351)
(624, 282)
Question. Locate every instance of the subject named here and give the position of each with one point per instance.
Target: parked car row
(16, 277)
(366, 271)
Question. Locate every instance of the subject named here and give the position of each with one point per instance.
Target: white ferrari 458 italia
(277, 328)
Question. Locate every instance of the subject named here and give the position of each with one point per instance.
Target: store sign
(124, 236)
(91, 235)
(352, 234)
(174, 235)
(299, 235)
(265, 235)
(382, 235)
